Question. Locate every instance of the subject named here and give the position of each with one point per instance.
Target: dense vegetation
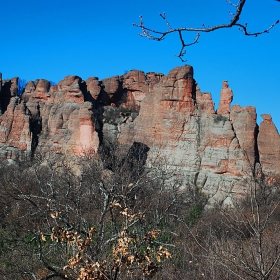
(108, 216)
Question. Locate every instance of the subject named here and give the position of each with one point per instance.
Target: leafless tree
(106, 217)
(111, 217)
(234, 21)
(242, 243)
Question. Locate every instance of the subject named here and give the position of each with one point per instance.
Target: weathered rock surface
(93, 87)
(208, 149)
(214, 151)
(15, 133)
(269, 146)
(204, 101)
(128, 90)
(226, 98)
(245, 128)
(64, 118)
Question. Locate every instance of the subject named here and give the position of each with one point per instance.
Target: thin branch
(157, 35)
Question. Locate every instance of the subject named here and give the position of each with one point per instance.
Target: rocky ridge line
(214, 151)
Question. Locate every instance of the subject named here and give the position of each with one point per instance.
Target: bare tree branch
(156, 35)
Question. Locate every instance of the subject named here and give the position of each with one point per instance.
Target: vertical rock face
(128, 90)
(209, 150)
(70, 90)
(20, 133)
(177, 122)
(15, 130)
(137, 86)
(87, 139)
(172, 96)
(29, 90)
(41, 91)
(56, 118)
(245, 128)
(269, 146)
(153, 79)
(63, 117)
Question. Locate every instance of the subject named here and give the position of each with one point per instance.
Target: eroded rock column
(269, 146)
(226, 98)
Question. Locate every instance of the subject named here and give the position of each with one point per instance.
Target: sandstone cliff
(214, 151)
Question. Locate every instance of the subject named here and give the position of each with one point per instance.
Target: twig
(156, 35)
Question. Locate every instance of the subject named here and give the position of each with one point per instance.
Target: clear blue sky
(51, 39)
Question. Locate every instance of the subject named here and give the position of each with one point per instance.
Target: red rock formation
(225, 99)
(93, 87)
(69, 90)
(41, 91)
(245, 128)
(209, 150)
(57, 118)
(6, 121)
(170, 104)
(269, 146)
(87, 140)
(20, 133)
(67, 120)
(213, 151)
(152, 79)
(128, 90)
(28, 91)
(112, 91)
(15, 125)
(204, 101)
(136, 87)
